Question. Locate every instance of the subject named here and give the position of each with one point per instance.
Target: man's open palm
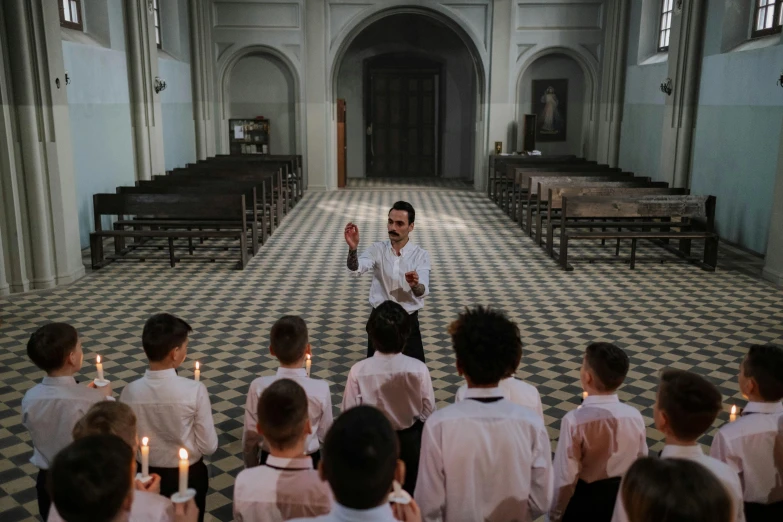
(352, 236)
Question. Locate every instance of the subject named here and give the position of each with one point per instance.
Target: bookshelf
(248, 136)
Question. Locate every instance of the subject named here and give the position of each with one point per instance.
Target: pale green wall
(176, 103)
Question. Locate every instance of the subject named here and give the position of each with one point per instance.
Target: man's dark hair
(487, 344)
(289, 338)
(407, 207)
(609, 365)
(690, 402)
(51, 344)
(282, 413)
(764, 364)
(162, 333)
(91, 478)
(360, 457)
(388, 327)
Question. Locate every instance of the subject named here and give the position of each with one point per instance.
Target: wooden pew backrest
(612, 189)
(636, 207)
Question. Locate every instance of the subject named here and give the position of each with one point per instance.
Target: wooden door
(341, 145)
(403, 140)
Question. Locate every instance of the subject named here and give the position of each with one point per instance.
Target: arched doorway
(434, 60)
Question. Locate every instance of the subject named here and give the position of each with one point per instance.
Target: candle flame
(99, 360)
(197, 365)
(308, 356)
(183, 454)
(584, 395)
(145, 441)
(734, 410)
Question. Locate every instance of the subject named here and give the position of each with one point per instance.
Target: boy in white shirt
(753, 444)
(685, 408)
(598, 441)
(51, 408)
(398, 385)
(484, 458)
(173, 411)
(288, 342)
(287, 485)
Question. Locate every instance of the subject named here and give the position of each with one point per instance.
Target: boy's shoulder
(40, 391)
(151, 506)
(469, 408)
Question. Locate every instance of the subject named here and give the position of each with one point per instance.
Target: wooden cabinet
(249, 136)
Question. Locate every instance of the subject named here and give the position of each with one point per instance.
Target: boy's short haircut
(487, 344)
(289, 338)
(690, 402)
(764, 364)
(162, 333)
(360, 457)
(91, 478)
(51, 344)
(282, 413)
(389, 327)
(108, 418)
(609, 365)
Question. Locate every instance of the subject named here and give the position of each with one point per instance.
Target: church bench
(654, 217)
(505, 184)
(169, 216)
(498, 163)
(297, 174)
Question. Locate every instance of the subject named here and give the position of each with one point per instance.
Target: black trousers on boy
(763, 512)
(410, 450)
(198, 479)
(593, 501)
(44, 500)
(413, 347)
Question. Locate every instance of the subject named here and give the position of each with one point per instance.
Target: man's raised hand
(352, 236)
(412, 278)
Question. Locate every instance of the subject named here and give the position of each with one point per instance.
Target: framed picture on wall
(550, 104)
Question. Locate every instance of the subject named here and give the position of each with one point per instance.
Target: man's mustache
(393, 234)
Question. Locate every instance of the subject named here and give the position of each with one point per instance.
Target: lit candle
(308, 364)
(100, 368)
(197, 375)
(584, 396)
(183, 471)
(145, 457)
(733, 414)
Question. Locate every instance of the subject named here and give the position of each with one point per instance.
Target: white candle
(197, 375)
(308, 364)
(145, 457)
(733, 414)
(100, 368)
(397, 489)
(183, 471)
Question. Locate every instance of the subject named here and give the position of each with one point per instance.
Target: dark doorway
(403, 92)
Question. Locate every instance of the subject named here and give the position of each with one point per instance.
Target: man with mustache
(401, 270)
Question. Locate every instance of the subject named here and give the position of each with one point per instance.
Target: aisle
(663, 315)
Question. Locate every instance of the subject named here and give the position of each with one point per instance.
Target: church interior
(322, 112)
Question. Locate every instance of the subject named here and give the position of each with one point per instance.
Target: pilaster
(773, 265)
(318, 109)
(612, 96)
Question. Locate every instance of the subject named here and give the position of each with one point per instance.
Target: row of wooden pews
(559, 199)
(220, 209)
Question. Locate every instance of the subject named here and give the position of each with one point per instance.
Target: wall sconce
(67, 79)
(160, 85)
(780, 80)
(666, 87)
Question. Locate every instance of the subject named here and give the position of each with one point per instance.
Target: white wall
(262, 85)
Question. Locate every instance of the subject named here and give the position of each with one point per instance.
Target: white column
(320, 175)
(501, 99)
(773, 266)
(610, 111)
(202, 78)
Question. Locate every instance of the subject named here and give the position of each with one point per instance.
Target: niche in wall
(262, 85)
(556, 66)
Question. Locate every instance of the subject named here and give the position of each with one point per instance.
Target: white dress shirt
(515, 390)
(723, 472)
(319, 409)
(749, 446)
(174, 412)
(484, 461)
(398, 385)
(339, 513)
(50, 410)
(598, 441)
(389, 269)
(280, 490)
(146, 507)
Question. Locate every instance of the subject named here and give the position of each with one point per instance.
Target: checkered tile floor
(669, 314)
(408, 183)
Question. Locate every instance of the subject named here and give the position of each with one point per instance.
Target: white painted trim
(773, 276)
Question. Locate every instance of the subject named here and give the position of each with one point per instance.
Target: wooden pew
(648, 213)
(295, 158)
(497, 166)
(179, 210)
(293, 178)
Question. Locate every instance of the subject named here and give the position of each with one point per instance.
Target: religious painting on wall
(550, 103)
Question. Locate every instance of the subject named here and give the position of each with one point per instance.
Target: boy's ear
(308, 428)
(753, 386)
(259, 430)
(272, 351)
(589, 377)
(459, 368)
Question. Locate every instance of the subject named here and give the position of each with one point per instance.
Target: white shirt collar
(291, 372)
(160, 374)
(600, 399)
(382, 513)
(64, 380)
(300, 463)
(763, 407)
(404, 250)
(672, 451)
(380, 355)
(483, 393)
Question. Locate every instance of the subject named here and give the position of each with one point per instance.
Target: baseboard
(72, 277)
(317, 188)
(772, 276)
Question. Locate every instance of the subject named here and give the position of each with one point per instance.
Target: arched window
(157, 22)
(665, 27)
(71, 14)
(767, 18)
